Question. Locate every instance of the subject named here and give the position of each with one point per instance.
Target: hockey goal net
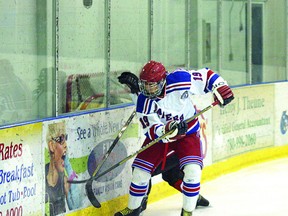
(88, 91)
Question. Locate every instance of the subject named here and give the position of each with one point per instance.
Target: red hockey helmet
(152, 79)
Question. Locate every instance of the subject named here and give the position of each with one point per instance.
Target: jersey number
(144, 121)
(197, 76)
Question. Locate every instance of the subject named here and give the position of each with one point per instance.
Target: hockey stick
(88, 186)
(141, 149)
(93, 197)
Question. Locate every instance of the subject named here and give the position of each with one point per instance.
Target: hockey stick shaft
(88, 186)
(104, 158)
(153, 142)
(145, 147)
(123, 129)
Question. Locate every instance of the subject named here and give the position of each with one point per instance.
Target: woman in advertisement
(57, 188)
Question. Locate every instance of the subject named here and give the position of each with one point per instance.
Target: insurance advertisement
(21, 170)
(246, 124)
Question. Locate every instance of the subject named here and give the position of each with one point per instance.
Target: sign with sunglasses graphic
(58, 170)
(73, 149)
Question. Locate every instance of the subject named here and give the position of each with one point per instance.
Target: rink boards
(250, 130)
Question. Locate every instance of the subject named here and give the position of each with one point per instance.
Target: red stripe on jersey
(209, 74)
(152, 134)
(178, 85)
(146, 104)
(192, 124)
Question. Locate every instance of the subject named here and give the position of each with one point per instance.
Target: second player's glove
(179, 132)
(131, 80)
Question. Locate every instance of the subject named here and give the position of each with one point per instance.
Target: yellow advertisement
(21, 191)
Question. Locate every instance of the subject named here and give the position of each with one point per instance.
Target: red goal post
(88, 91)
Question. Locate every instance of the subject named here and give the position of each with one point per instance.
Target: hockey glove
(223, 94)
(131, 80)
(180, 130)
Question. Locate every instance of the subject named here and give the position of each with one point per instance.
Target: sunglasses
(60, 139)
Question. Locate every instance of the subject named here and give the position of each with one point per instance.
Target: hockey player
(163, 105)
(170, 171)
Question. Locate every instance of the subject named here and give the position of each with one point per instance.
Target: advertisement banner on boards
(246, 124)
(281, 114)
(73, 149)
(21, 169)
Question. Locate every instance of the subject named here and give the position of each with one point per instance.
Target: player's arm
(209, 81)
(154, 128)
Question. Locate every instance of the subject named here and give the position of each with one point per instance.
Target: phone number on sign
(17, 211)
(242, 141)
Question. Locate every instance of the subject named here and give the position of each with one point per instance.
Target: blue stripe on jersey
(194, 128)
(147, 134)
(151, 133)
(178, 76)
(211, 80)
(144, 104)
(205, 90)
(178, 86)
(178, 80)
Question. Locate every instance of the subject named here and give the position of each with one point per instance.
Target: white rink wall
(253, 121)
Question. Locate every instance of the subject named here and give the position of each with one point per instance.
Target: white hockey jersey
(176, 103)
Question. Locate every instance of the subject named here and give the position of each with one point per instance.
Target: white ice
(258, 190)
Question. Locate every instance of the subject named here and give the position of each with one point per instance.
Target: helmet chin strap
(163, 92)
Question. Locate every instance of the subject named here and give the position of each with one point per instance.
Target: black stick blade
(90, 194)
